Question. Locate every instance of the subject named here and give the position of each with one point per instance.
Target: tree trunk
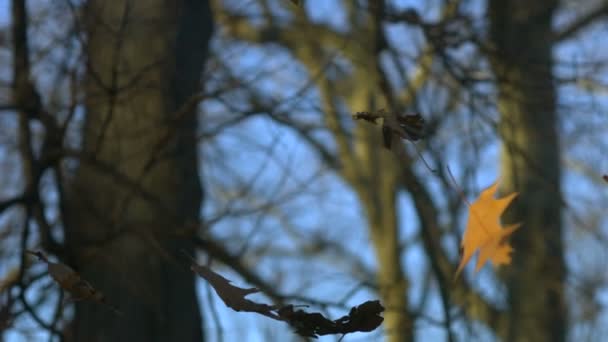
(377, 183)
(520, 34)
(138, 182)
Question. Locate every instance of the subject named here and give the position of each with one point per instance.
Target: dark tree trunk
(521, 35)
(137, 186)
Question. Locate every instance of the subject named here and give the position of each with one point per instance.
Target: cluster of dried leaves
(362, 318)
(407, 127)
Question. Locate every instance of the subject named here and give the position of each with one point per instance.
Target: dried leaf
(387, 137)
(484, 231)
(308, 324)
(413, 125)
(232, 296)
(367, 116)
(408, 127)
(70, 281)
(363, 318)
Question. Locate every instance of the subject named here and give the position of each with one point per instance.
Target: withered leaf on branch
(367, 116)
(232, 296)
(408, 127)
(413, 125)
(363, 318)
(70, 281)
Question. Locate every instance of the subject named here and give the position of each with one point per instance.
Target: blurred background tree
(110, 118)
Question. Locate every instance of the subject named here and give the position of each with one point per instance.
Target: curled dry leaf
(70, 281)
(484, 231)
(232, 296)
(367, 116)
(408, 127)
(365, 317)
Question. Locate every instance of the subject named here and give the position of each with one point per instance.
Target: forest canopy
(286, 170)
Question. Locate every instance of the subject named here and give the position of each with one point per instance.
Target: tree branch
(581, 23)
(461, 293)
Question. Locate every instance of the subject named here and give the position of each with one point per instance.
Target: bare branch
(581, 23)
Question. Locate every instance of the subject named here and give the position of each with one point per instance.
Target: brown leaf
(387, 137)
(232, 296)
(408, 127)
(70, 281)
(308, 324)
(413, 125)
(363, 318)
(367, 116)
(484, 231)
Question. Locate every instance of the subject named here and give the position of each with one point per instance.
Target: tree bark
(374, 175)
(377, 186)
(145, 60)
(520, 35)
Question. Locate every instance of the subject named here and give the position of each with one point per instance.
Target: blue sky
(331, 209)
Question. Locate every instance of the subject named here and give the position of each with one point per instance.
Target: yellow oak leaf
(484, 231)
